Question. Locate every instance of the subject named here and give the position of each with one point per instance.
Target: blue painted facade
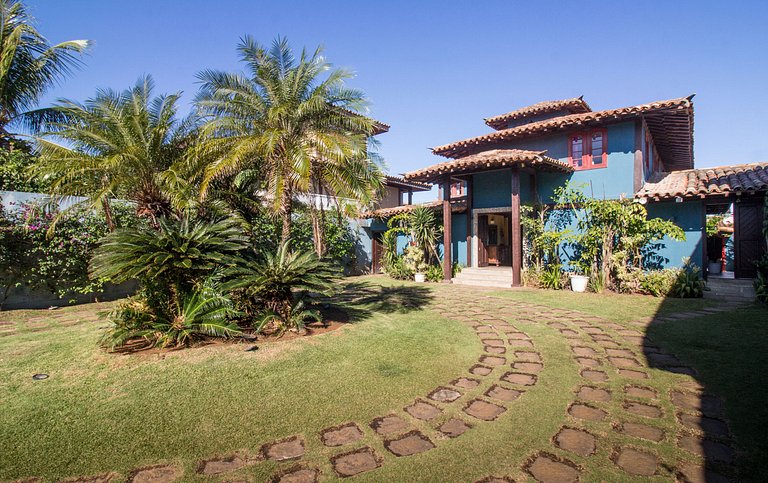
(690, 217)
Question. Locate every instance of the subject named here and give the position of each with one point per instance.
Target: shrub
(398, 270)
(552, 277)
(34, 255)
(531, 277)
(274, 284)
(688, 283)
(434, 273)
(178, 266)
(658, 283)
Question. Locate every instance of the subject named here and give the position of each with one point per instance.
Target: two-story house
(642, 152)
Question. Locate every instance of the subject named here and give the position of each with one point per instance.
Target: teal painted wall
(459, 238)
(690, 217)
(611, 182)
(493, 189)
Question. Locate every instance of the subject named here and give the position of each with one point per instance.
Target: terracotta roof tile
(491, 159)
(458, 206)
(576, 105)
(400, 181)
(670, 122)
(721, 180)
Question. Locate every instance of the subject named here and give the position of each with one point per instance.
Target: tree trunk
(108, 214)
(286, 211)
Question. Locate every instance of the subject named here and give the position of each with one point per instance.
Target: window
(588, 150)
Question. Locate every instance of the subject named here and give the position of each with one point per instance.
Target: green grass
(101, 412)
(729, 352)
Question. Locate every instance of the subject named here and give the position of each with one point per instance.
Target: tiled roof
(378, 126)
(721, 180)
(670, 123)
(402, 182)
(456, 207)
(491, 159)
(576, 105)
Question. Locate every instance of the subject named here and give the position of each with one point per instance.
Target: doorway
(493, 240)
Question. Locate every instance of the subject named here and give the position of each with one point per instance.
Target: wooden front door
(482, 236)
(748, 237)
(377, 249)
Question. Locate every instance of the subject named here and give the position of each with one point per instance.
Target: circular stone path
(605, 355)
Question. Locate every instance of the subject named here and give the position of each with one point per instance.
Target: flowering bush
(34, 256)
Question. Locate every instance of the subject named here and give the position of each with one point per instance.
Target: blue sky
(434, 70)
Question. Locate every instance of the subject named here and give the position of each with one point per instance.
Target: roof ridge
(542, 106)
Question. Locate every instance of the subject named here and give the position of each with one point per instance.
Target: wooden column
(517, 237)
(447, 242)
(637, 171)
(469, 221)
(410, 196)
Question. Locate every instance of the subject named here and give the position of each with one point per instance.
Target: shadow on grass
(360, 300)
(723, 414)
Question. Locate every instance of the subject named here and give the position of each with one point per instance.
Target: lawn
(100, 412)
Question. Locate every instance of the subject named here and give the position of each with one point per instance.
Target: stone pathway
(508, 367)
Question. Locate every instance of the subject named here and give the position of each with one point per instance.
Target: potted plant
(579, 281)
(414, 259)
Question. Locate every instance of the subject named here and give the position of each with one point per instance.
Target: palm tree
(115, 145)
(283, 118)
(29, 66)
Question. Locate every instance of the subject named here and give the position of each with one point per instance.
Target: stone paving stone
(643, 431)
(494, 361)
(711, 406)
(454, 427)
(588, 362)
(155, 474)
(521, 343)
(518, 336)
(520, 378)
(596, 394)
(480, 370)
(465, 382)
(284, 449)
(444, 395)
(632, 374)
(710, 426)
(495, 349)
(624, 362)
(548, 469)
(594, 376)
(216, 466)
(582, 351)
(483, 410)
(355, 462)
(576, 441)
(586, 412)
(636, 462)
(693, 473)
(529, 367)
(706, 448)
(641, 409)
(341, 435)
(502, 393)
(528, 356)
(390, 424)
(298, 475)
(409, 444)
(423, 410)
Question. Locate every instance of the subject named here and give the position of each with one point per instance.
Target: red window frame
(587, 158)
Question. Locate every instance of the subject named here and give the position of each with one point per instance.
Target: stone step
(483, 283)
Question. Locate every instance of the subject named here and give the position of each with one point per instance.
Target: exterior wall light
(678, 199)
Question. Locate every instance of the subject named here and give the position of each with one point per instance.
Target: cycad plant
(176, 265)
(29, 66)
(280, 280)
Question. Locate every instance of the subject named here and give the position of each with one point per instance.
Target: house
(643, 152)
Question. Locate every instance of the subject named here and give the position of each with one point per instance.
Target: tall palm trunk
(286, 212)
(317, 216)
(108, 214)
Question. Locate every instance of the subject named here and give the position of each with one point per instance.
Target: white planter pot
(420, 277)
(579, 283)
(715, 267)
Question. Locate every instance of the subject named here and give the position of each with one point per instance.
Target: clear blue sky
(434, 70)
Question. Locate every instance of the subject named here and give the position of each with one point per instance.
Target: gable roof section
(721, 180)
(457, 206)
(400, 182)
(670, 123)
(485, 160)
(577, 105)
